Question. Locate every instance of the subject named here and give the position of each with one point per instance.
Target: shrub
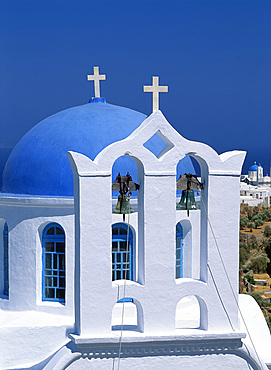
(245, 246)
(258, 222)
(243, 256)
(256, 217)
(243, 222)
(259, 264)
(251, 225)
(250, 279)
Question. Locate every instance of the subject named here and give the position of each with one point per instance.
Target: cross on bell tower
(155, 89)
(96, 77)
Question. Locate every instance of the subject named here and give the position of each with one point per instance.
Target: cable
(227, 276)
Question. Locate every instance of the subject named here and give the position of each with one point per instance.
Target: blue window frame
(53, 257)
(122, 252)
(6, 263)
(179, 251)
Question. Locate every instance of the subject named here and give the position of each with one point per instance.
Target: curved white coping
(35, 201)
(181, 335)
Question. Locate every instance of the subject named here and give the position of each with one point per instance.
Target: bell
(187, 201)
(188, 183)
(124, 184)
(123, 206)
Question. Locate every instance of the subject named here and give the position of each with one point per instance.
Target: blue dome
(39, 164)
(253, 168)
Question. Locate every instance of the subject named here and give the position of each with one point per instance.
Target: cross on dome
(155, 89)
(96, 77)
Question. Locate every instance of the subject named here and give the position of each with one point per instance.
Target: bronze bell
(124, 184)
(123, 205)
(188, 183)
(187, 200)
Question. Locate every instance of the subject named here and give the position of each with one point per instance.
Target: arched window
(6, 262)
(122, 252)
(179, 251)
(53, 256)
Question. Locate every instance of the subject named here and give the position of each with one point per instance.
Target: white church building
(255, 188)
(82, 287)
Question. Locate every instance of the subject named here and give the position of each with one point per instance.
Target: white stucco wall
(26, 218)
(161, 339)
(215, 234)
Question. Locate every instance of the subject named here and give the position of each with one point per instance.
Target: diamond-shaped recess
(158, 144)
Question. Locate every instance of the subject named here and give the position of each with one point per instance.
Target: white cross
(155, 89)
(96, 78)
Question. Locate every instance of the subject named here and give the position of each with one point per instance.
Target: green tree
(251, 225)
(259, 264)
(243, 222)
(258, 222)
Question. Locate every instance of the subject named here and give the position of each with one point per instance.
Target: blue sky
(215, 56)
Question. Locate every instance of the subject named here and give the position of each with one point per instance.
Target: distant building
(255, 188)
(255, 195)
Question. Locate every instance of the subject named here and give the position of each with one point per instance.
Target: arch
(53, 263)
(184, 252)
(126, 164)
(197, 216)
(122, 251)
(191, 313)
(123, 165)
(188, 165)
(179, 251)
(127, 314)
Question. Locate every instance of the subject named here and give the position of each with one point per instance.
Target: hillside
(255, 255)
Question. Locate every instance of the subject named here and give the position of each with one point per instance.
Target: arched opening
(54, 266)
(179, 251)
(4, 257)
(122, 251)
(191, 313)
(127, 314)
(122, 166)
(188, 165)
(191, 192)
(184, 256)
(134, 204)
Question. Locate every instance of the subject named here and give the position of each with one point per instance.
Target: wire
(228, 278)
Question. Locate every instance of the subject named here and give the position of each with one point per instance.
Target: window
(6, 263)
(53, 255)
(179, 251)
(122, 252)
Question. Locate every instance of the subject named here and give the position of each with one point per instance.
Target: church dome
(253, 168)
(39, 164)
